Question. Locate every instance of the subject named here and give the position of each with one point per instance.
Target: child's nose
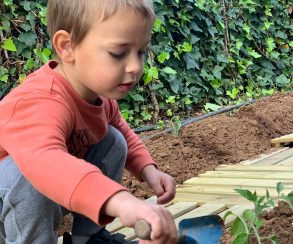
(134, 65)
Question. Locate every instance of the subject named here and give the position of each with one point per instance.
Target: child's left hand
(162, 184)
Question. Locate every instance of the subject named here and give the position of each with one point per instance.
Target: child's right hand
(130, 209)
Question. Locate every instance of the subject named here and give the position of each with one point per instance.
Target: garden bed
(222, 139)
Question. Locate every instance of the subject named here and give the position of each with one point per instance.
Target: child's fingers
(169, 192)
(166, 197)
(172, 233)
(166, 230)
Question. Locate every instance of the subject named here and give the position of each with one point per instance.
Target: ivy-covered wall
(215, 51)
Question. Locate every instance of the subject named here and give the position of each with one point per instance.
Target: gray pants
(28, 217)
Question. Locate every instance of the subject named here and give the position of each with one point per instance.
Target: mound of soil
(222, 139)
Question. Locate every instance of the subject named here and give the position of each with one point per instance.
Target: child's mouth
(126, 87)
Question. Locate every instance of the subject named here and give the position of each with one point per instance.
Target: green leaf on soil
(247, 194)
(238, 227)
(280, 187)
(241, 239)
(249, 215)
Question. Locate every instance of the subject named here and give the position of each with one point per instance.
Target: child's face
(109, 61)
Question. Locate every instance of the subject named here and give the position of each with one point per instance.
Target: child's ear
(63, 46)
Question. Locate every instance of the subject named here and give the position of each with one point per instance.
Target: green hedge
(202, 51)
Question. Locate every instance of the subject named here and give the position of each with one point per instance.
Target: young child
(63, 142)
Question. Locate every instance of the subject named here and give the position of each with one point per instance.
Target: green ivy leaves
(9, 45)
(202, 52)
(224, 52)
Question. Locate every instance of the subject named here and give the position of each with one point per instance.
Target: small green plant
(287, 198)
(175, 125)
(160, 125)
(248, 224)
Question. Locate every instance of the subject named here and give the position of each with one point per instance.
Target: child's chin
(119, 96)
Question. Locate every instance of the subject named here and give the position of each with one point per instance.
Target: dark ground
(222, 139)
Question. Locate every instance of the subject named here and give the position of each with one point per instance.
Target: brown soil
(279, 221)
(222, 139)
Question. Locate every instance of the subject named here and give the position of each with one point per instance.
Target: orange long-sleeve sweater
(46, 127)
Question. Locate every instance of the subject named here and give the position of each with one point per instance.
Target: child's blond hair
(77, 16)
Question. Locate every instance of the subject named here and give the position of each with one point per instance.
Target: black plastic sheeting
(192, 120)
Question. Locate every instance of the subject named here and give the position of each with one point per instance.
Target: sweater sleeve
(138, 156)
(34, 134)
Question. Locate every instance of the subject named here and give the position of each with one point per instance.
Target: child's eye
(117, 55)
(142, 53)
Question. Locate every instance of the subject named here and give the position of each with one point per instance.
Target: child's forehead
(123, 25)
(122, 21)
